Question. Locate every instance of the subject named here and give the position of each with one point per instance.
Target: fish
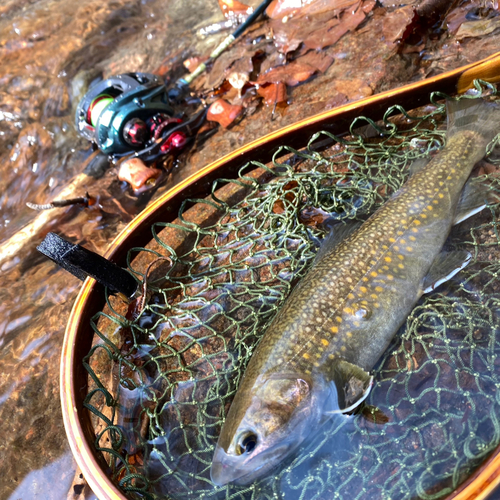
(314, 359)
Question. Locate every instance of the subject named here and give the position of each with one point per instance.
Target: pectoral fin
(352, 385)
(474, 198)
(444, 267)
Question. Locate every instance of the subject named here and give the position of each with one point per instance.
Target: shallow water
(50, 51)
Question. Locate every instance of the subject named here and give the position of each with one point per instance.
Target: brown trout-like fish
(314, 359)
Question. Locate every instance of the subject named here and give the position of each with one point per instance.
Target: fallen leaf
(455, 19)
(138, 175)
(273, 92)
(368, 6)
(336, 101)
(333, 33)
(397, 3)
(278, 207)
(478, 28)
(239, 72)
(399, 24)
(374, 415)
(223, 113)
(231, 8)
(354, 88)
(237, 58)
(313, 216)
(292, 74)
(272, 61)
(286, 43)
(281, 9)
(318, 60)
(290, 35)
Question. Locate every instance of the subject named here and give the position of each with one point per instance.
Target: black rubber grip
(82, 263)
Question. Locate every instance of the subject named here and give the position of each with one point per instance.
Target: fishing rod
(133, 114)
(182, 83)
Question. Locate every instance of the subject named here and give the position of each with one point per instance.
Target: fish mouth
(220, 474)
(223, 474)
(224, 470)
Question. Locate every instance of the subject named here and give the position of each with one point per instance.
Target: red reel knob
(176, 141)
(136, 132)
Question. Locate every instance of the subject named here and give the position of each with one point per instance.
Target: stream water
(50, 51)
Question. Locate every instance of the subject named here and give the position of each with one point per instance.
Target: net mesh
(163, 372)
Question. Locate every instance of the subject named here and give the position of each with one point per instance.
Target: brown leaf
(354, 88)
(313, 216)
(237, 59)
(478, 28)
(238, 73)
(288, 36)
(399, 24)
(318, 60)
(230, 8)
(333, 32)
(278, 207)
(272, 61)
(281, 8)
(292, 74)
(374, 415)
(273, 93)
(223, 113)
(455, 19)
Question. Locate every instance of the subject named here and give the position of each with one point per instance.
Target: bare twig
(86, 201)
(142, 302)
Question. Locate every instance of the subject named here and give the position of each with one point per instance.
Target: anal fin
(444, 267)
(474, 198)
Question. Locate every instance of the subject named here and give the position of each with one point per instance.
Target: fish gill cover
(163, 372)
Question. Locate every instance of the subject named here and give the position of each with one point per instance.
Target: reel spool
(126, 113)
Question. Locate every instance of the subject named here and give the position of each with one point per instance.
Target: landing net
(162, 374)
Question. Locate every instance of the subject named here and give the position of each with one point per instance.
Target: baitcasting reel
(132, 112)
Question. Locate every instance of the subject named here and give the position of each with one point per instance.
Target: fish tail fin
(475, 115)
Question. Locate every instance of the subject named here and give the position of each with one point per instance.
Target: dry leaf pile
(297, 42)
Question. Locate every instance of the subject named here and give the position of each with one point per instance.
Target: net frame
(391, 135)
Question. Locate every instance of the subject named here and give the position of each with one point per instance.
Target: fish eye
(246, 443)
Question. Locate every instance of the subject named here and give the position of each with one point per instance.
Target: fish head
(264, 427)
